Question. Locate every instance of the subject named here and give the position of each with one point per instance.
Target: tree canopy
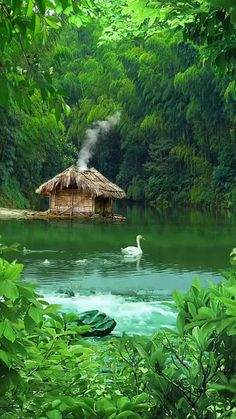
(25, 27)
(210, 24)
(65, 65)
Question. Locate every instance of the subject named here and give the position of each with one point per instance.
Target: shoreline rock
(101, 324)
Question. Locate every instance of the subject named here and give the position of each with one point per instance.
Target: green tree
(24, 30)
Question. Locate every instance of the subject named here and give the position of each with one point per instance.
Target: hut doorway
(103, 205)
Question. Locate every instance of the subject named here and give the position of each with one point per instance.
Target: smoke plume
(91, 138)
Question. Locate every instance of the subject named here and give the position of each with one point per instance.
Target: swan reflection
(132, 259)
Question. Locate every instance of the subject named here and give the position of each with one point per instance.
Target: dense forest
(169, 69)
(176, 140)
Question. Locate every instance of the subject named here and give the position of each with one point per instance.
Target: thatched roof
(89, 181)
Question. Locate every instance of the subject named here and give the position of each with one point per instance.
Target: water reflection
(85, 258)
(110, 272)
(133, 259)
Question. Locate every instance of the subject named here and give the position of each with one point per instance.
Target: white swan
(133, 250)
(46, 262)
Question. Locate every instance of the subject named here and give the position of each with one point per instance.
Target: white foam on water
(139, 317)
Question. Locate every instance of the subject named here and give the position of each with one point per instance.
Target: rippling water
(85, 259)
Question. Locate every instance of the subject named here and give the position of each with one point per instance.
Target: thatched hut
(80, 192)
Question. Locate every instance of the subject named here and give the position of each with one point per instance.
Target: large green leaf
(54, 414)
(9, 332)
(8, 289)
(53, 22)
(4, 356)
(123, 403)
(35, 314)
(13, 271)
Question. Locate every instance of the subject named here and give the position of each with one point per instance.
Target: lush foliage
(208, 23)
(48, 370)
(25, 26)
(27, 144)
(176, 139)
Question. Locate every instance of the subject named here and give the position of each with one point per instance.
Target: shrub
(48, 370)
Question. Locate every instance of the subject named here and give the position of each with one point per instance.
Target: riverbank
(8, 213)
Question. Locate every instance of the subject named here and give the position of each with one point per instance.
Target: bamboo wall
(71, 201)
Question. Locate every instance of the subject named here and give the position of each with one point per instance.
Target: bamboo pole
(72, 203)
(93, 204)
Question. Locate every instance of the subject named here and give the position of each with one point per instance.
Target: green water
(85, 257)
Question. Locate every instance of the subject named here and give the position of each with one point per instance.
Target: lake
(84, 257)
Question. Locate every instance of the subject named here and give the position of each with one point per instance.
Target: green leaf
(30, 6)
(2, 327)
(56, 403)
(76, 20)
(4, 356)
(29, 323)
(197, 284)
(13, 271)
(192, 309)
(159, 385)
(9, 290)
(128, 414)
(35, 314)
(85, 406)
(53, 22)
(141, 398)
(68, 400)
(123, 403)
(9, 332)
(54, 414)
(104, 404)
(180, 322)
(37, 25)
(158, 357)
(232, 291)
(205, 312)
(20, 348)
(178, 298)
(141, 407)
